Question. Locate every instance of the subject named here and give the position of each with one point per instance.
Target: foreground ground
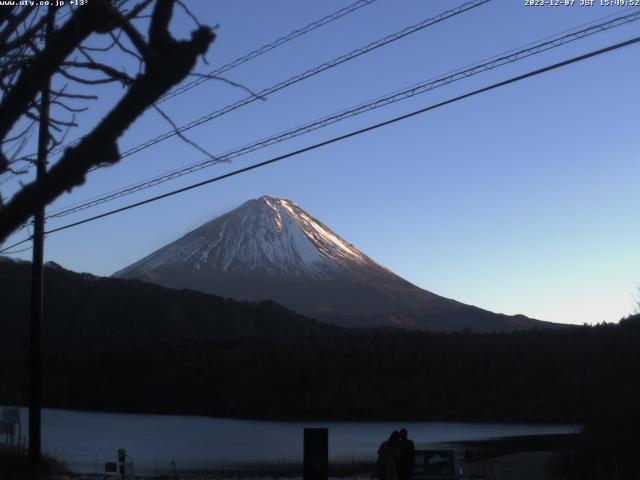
(541, 457)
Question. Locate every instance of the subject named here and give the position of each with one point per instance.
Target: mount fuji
(270, 248)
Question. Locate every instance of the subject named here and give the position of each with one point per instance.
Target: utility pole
(35, 332)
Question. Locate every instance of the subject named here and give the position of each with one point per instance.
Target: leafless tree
(84, 51)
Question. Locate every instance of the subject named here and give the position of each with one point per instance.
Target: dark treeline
(572, 375)
(131, 346)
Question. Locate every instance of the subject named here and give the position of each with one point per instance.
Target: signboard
(435, 464)
(111, 467)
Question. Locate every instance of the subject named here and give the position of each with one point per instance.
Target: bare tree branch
(138, 41)
(13, 23)
(189, 13)
(181, 135)
(68, 108)
(82, 23)
(230, 82)
(171, 62)
(106, 69)
(76, 96)
(28, 34)
(135, 11)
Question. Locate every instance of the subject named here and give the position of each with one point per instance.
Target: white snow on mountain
(273, 235)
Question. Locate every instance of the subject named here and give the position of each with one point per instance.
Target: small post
(122, 458)
(316, 454)
(573, 464)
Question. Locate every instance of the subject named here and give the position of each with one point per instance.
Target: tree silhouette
(71, 57)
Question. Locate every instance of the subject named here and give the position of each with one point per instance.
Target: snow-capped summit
(269, 235)
(270, 248)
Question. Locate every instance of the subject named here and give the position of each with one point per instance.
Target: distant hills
(86, 312)
(270, 248)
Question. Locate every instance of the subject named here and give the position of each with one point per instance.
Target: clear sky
(521, 200)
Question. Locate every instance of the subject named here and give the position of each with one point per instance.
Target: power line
(268, 47)
(354, 133)
(300, 77)
(15, 252)
(397, 96)
(308, 74)
(332, 17)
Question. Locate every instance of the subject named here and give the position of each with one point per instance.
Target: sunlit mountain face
(270, 248)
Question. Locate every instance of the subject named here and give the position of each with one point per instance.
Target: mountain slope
(271, 248)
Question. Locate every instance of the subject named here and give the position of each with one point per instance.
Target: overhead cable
(262, 94)
(397, 96)
(361, 131)
(332, 17)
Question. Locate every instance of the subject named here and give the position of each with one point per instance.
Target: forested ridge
(559, 376)
(125, 345)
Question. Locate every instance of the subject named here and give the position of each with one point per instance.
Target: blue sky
(521, 200)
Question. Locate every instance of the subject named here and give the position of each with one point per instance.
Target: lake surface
(86, 440)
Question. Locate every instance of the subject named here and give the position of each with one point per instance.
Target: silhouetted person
(407, 456)
(388, 458)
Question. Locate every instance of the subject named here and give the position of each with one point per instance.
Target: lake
(86, 440)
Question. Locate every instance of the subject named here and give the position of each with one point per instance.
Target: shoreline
(292, 419)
